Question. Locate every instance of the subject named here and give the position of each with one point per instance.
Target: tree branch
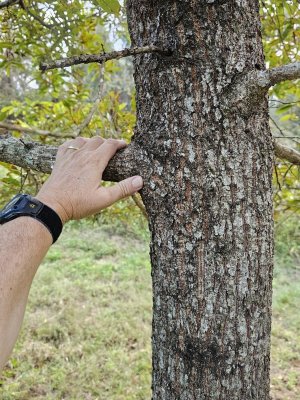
(284, 73)
(8, 3)
(282, 133)
(249, 89)
(33, 131)
(140, 205)
(102, 57)
(28, 154)
(39, 157)
(265, 79)
(287, 153)
(37, 17)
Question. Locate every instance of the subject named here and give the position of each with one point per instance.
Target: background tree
(203, 144)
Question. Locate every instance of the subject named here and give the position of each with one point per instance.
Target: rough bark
(99, 58)
(14, 151)
(32, 155)
(206, 153)
(283, 73)
(287, 153)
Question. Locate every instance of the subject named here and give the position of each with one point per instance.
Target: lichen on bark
(208, 170)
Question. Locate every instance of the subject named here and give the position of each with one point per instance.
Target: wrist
(24, 205)
(54, 205)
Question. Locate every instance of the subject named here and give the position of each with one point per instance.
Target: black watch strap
(51, 220)
(24, 205)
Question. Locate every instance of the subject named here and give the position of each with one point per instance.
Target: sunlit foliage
(281, 36)
(60, 101)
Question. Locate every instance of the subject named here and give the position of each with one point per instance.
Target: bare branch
(268, 78)
(277, 178)
(8, 3)
(287, 153)
(248, 90)
(288, 137)
(281, 131)
(140, 205)
(102, 57)
(39, 157)
(284, 102)
(38, 18)
(284, 73)
(26, 154)
(33, 131)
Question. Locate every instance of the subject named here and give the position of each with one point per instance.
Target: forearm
(23, 244)
(73, 191)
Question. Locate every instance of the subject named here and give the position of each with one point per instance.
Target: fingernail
(137, 182)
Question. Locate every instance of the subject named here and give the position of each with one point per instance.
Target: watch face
(21, 204)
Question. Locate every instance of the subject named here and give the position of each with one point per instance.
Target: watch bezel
(20, 205)
(26, 205)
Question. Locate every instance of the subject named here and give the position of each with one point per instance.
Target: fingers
(93, 143)
(77, 175)
(122, 189)
(79, 142)
(108, 149)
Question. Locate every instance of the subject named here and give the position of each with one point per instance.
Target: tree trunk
(205, 150)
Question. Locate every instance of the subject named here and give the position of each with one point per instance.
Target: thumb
(122, 189)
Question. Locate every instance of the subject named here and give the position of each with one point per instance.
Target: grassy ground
(286, 315)
(87, 329)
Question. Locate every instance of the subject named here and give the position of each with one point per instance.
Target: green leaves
(110, 6)
(284, 108)
(287, 184)
(60, 100)
(281, 38)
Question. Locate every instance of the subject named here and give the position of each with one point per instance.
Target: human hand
(74, 189)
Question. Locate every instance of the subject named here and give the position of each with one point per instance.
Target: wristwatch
(25, 205)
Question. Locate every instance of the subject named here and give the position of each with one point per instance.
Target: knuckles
(124, 189)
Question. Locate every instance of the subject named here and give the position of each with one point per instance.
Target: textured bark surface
(33, 155)
(30, 154)
(205, 150)
(98, 58)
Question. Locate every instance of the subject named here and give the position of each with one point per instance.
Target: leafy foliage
(57, 100)
(60, 100)
(281, 37)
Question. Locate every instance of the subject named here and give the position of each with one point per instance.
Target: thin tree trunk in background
(206, 155)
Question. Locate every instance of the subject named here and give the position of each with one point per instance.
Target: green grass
(87, 329)
(286, 315)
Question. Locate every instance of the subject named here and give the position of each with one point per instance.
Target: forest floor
(86, 333)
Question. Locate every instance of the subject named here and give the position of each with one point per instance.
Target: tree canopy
(99, 98)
